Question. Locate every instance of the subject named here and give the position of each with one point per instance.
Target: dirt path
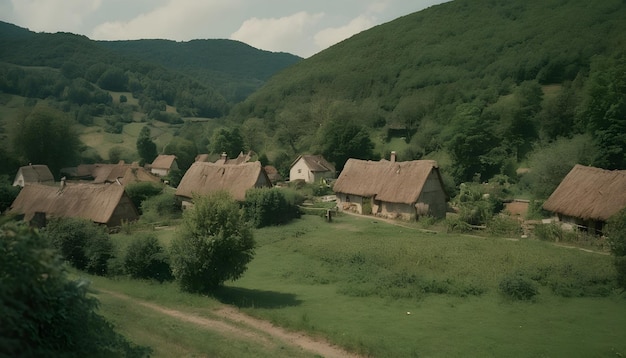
(230, 321)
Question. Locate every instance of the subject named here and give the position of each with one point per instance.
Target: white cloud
(289, 33)
(41, 15)
(176, 20)
(332, 35)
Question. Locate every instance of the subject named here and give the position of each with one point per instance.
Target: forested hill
(475, 83)
(233, 67)
(224, 71)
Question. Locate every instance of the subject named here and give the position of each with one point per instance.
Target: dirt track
(229, 321)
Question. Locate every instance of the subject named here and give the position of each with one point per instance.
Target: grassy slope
(324, 279)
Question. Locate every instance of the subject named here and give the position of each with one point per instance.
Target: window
(299, 171)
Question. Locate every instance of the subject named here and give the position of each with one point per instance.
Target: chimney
(393, 156)
(224, 157)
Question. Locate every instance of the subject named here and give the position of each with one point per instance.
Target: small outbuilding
(163, 164)
(405, 190)
(587, 197)
(203, 178)
(311, 169)
(106, 204)
(33, 174)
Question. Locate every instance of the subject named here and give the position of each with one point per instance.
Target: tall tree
(46, 136)
(344, 139)
(145, 146)
(215, 244)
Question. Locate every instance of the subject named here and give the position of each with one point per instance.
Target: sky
(300, 27)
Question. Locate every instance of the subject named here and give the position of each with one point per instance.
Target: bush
(549, 232)
(518, 287)
(138, 192)
(214, 245)
(504, 225)
(83, 244)
(616, 237)
(146, 258)
(266, 207)
(44, 313)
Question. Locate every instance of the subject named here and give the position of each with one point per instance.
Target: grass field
(355, 280)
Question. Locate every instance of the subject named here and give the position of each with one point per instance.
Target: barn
(203, 178)
(392, 189)
(106, 204)
(587, 197)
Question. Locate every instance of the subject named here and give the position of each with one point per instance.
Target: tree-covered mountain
(478, 84)
(234, 68)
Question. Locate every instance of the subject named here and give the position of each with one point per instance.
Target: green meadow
(383, 290)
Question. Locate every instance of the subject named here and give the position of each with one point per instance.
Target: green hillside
(478, 84)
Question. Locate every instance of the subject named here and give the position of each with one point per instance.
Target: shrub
(83, 244)
(138, 192)
(44, 313)
(214, 245)
(504, 225)
(266, 207)
(146, 258)
(549, 232)
(616, 237)
(518, 287)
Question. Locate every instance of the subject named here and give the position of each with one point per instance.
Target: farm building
(587, 197)
(106, 204)
(110, 173)
(393, 189)
(163, 164)
(33, 174)
(203, 178)
(311, 169)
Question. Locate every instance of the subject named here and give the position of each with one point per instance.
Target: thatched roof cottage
(587, 197)
(311, 169)
(203, 178)
(33, 174)
(106, 204)
(163, 164)
(405, 190)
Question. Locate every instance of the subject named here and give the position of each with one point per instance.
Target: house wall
(262, 182)
(352, 203)
(301, 171)
(160, 172)
(19, 180)
(592, 226)
(397, 211)
(432, 200)
(124, 211)
(318, 176)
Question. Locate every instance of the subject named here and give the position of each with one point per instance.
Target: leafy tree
(146, 258)
(215, 244)
(616, 236)
(342, 140)
(46, 136)
(265, 207)
(184, 150)
(44, 313)
(145, 146)
(227, 141)
(82, 243)
(8, 192)
(139, 192)
(606, 110)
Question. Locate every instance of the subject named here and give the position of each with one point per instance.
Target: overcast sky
(300, 27)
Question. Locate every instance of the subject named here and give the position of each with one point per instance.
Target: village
(586, 198)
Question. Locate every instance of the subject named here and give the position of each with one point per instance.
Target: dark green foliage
(146, 258)
(8, 193)
(266, 207)
(345, 139)
(145, 146)
(616, 236)
(185, 151)
(214, 245)
(518, 287)
(227, 141)
(83, 244)
(44, 313)
(139, 192)
(46, 136)
(163, 205)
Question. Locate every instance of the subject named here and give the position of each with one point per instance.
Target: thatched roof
(589, 193)
(35, 174)
(315, 163)
(241, 158)
(124, 173)
(89, 201)
(203, 178)
(394, 182)
(272, 173)
(163, 161)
